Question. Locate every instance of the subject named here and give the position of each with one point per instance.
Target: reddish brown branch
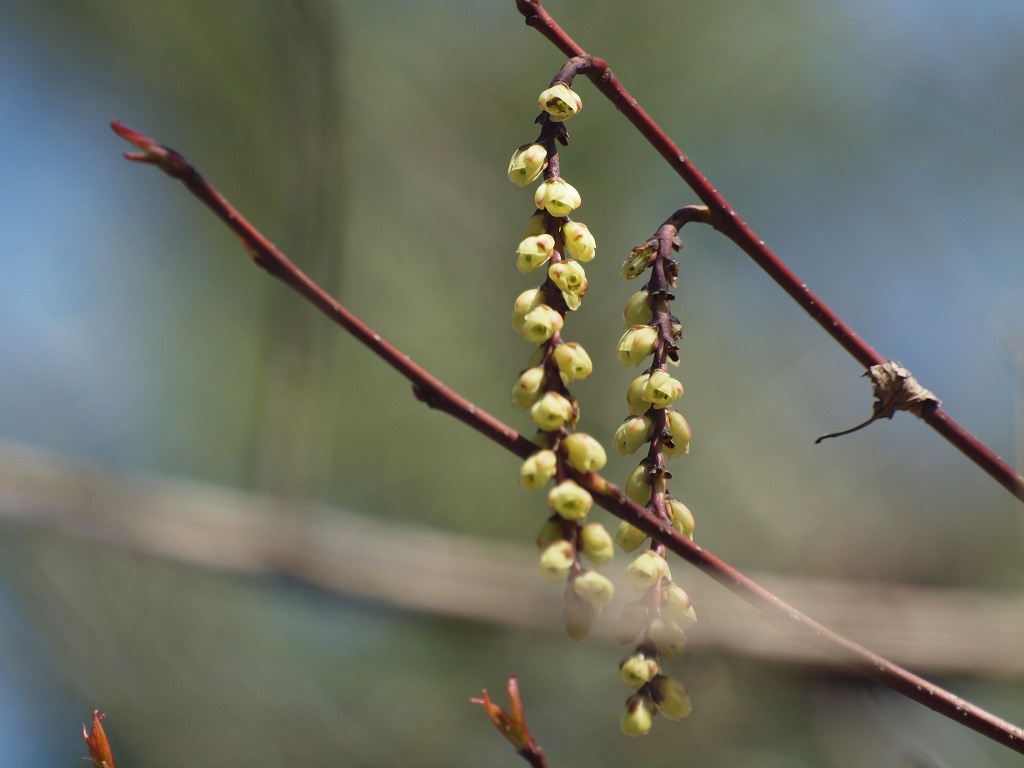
(725, 219)
(435, 394)
(427, 388)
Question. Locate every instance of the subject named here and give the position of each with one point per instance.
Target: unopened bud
(636, 344)
(560, 102)
(538, 469)
(634, 395)
(682, 517)
(596, 543)
(556, 561)
(525, 302)
(596, 589)
(549, 533)
(679, 428)
(557, 196)
(579, 617)
(632, 433)
(579, 241)
(573, 361)
(528, 388)
(570, 501)
(637, 486)
(638, 669)
(671, 697)
(676, 605)
(638, 309)
(541, 323)
(584, 453)
(629, 537)
(639, 259)
(569, 276)
(647, 570)
(537, 225)
(527, 163)
(551, 412)
(661, 389)
(638, 717)
(667, 636)
(534, 251)
(632, 619)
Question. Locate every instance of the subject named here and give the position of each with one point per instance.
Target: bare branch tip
(152, 152)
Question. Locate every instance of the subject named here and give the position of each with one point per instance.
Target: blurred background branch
(931, 630)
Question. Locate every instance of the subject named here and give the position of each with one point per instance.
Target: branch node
(895, 389)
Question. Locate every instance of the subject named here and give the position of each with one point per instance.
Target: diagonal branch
(729, 223)
(435, 394)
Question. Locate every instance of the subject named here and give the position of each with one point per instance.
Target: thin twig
(435, 394)
(725, 219)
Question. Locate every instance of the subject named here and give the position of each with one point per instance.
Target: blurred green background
(877, 147)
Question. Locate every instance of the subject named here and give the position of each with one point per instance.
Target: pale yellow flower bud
(596, 589)
(668, 637)
(556, 561)
(569, 276)
(636, 344)
(573, 361)
(596, 543)
(525, 302)
(632, 433)
(584, 453)
(629, 537)
(632, 619)
(638, 309)
(541, 323)
(533, 252)
(680, 430)
(560, 102)
(557, 196)
(549, 534)
(527, 163)
(676, 605)
(635, 395)
(528, 388)
(538, 469)
(637, 486)
(579, 617)
(638, 717)
(579, 242)
(551, 412)
(570, 501)
(661, 389)
(671, 697)
(638, 669)
(639, 259)
(537, 225)
(647, 570)
(682, 517)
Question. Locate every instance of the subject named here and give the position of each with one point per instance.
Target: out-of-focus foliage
(879, 155)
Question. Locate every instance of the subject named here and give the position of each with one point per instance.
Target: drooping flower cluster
(662, 610)
(561, 245)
